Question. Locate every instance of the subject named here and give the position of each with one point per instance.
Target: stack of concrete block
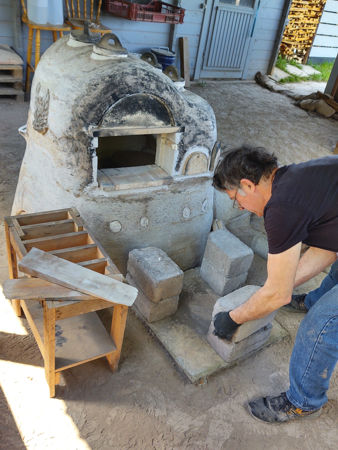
(226, 262)
(159, 281)
(249, 337)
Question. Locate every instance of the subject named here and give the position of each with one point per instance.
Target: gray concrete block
(232, 301)
(158, 276)
(218, 282)
(232, 351)
(154, 311)
(227, 254)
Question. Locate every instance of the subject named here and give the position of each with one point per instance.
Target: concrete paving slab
(184, 335)
(295, 71)
(278, 74)
(309, 70)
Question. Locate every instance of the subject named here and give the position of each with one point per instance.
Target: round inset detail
(144, 222)
(204, 205)
(115, 226)
(186, 213)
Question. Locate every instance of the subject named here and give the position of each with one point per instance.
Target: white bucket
(37, 11)
(55, 12)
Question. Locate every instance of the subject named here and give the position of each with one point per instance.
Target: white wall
(325, 44)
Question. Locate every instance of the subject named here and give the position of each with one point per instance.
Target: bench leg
(118, 326)
(12, 268)
(49, 347)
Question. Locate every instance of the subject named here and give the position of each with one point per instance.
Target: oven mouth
(134, 157)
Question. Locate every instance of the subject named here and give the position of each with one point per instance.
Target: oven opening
(126, 157)
(126, 151)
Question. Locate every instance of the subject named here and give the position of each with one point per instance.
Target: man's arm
(312, 263)
(277, 289)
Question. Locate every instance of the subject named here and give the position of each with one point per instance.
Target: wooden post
(49, 346)
(184, 55)
(118, 326)
(29, 58)
(12, 267)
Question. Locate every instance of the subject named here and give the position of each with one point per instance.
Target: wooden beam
(184, 55)
(51, 268)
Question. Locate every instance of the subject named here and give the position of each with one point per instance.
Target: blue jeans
(315, 352)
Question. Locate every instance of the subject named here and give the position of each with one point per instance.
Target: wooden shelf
(78, 339)
(68, 333)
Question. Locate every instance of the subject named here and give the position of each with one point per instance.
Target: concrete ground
(148, 404)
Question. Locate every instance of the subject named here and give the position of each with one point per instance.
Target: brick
(231, 352)
(232, 301)
(225, 257)
(154, 311)
(220, 284)
(158, 276)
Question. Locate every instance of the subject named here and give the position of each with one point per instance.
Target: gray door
(227, 33)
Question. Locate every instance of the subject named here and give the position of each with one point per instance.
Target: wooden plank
(37, 289)
(184, 55)
(328, 17)
(77, 254)
(132, 131)
(331, 6)
(18, 228)
(79, 339)
(326, 41)
(323, 52)
(48, 229)
(60, 241)
(327, 29)
(40, 217)
(73, 276)
(66, 309)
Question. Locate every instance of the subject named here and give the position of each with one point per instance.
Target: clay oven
(113, 136)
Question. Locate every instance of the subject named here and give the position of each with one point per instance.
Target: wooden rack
(304, 17)
(80, 335)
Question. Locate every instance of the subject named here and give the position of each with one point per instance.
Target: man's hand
(225, 327)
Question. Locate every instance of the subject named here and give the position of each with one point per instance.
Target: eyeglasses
(235, 203)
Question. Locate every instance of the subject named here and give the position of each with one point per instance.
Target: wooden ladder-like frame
(81, 337)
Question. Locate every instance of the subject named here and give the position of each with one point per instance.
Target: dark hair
(248, 162)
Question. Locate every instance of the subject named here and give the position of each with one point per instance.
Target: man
(300, 205)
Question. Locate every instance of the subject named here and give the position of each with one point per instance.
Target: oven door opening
(140, 158)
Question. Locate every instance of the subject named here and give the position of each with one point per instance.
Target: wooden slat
(37, 289)
(132, 131)
(47, 229)
(58, 242)
(184, 55)
(73, 276)
(41, 217)
(77, 254)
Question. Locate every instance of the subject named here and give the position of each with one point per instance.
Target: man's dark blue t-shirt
(304, 206)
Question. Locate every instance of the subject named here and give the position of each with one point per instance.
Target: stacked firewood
(303, 20)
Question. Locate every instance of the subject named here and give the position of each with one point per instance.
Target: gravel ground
(147, 404)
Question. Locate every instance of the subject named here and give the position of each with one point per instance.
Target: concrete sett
(226, 262)
(231, 351)
(153, 311)
(232, 301)
(155, 273)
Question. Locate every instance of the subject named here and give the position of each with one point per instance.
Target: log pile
(304, 17)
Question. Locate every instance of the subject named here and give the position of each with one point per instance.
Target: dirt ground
(148, 404)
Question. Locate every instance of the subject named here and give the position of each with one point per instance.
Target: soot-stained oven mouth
(134, 157)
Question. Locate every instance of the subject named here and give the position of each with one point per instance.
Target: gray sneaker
(297, 303)
(278, 410)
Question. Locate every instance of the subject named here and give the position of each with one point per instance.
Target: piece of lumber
(184, 54)
(51, 268)
(37, 289)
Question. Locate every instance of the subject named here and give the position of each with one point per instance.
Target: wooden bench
(81, 336)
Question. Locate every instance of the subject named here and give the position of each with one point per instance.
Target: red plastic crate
(154, 11)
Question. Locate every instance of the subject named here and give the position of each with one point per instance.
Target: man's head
(245, 174)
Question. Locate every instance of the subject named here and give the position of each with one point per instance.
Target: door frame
(205, 29)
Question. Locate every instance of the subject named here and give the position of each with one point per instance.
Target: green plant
(324, 69)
